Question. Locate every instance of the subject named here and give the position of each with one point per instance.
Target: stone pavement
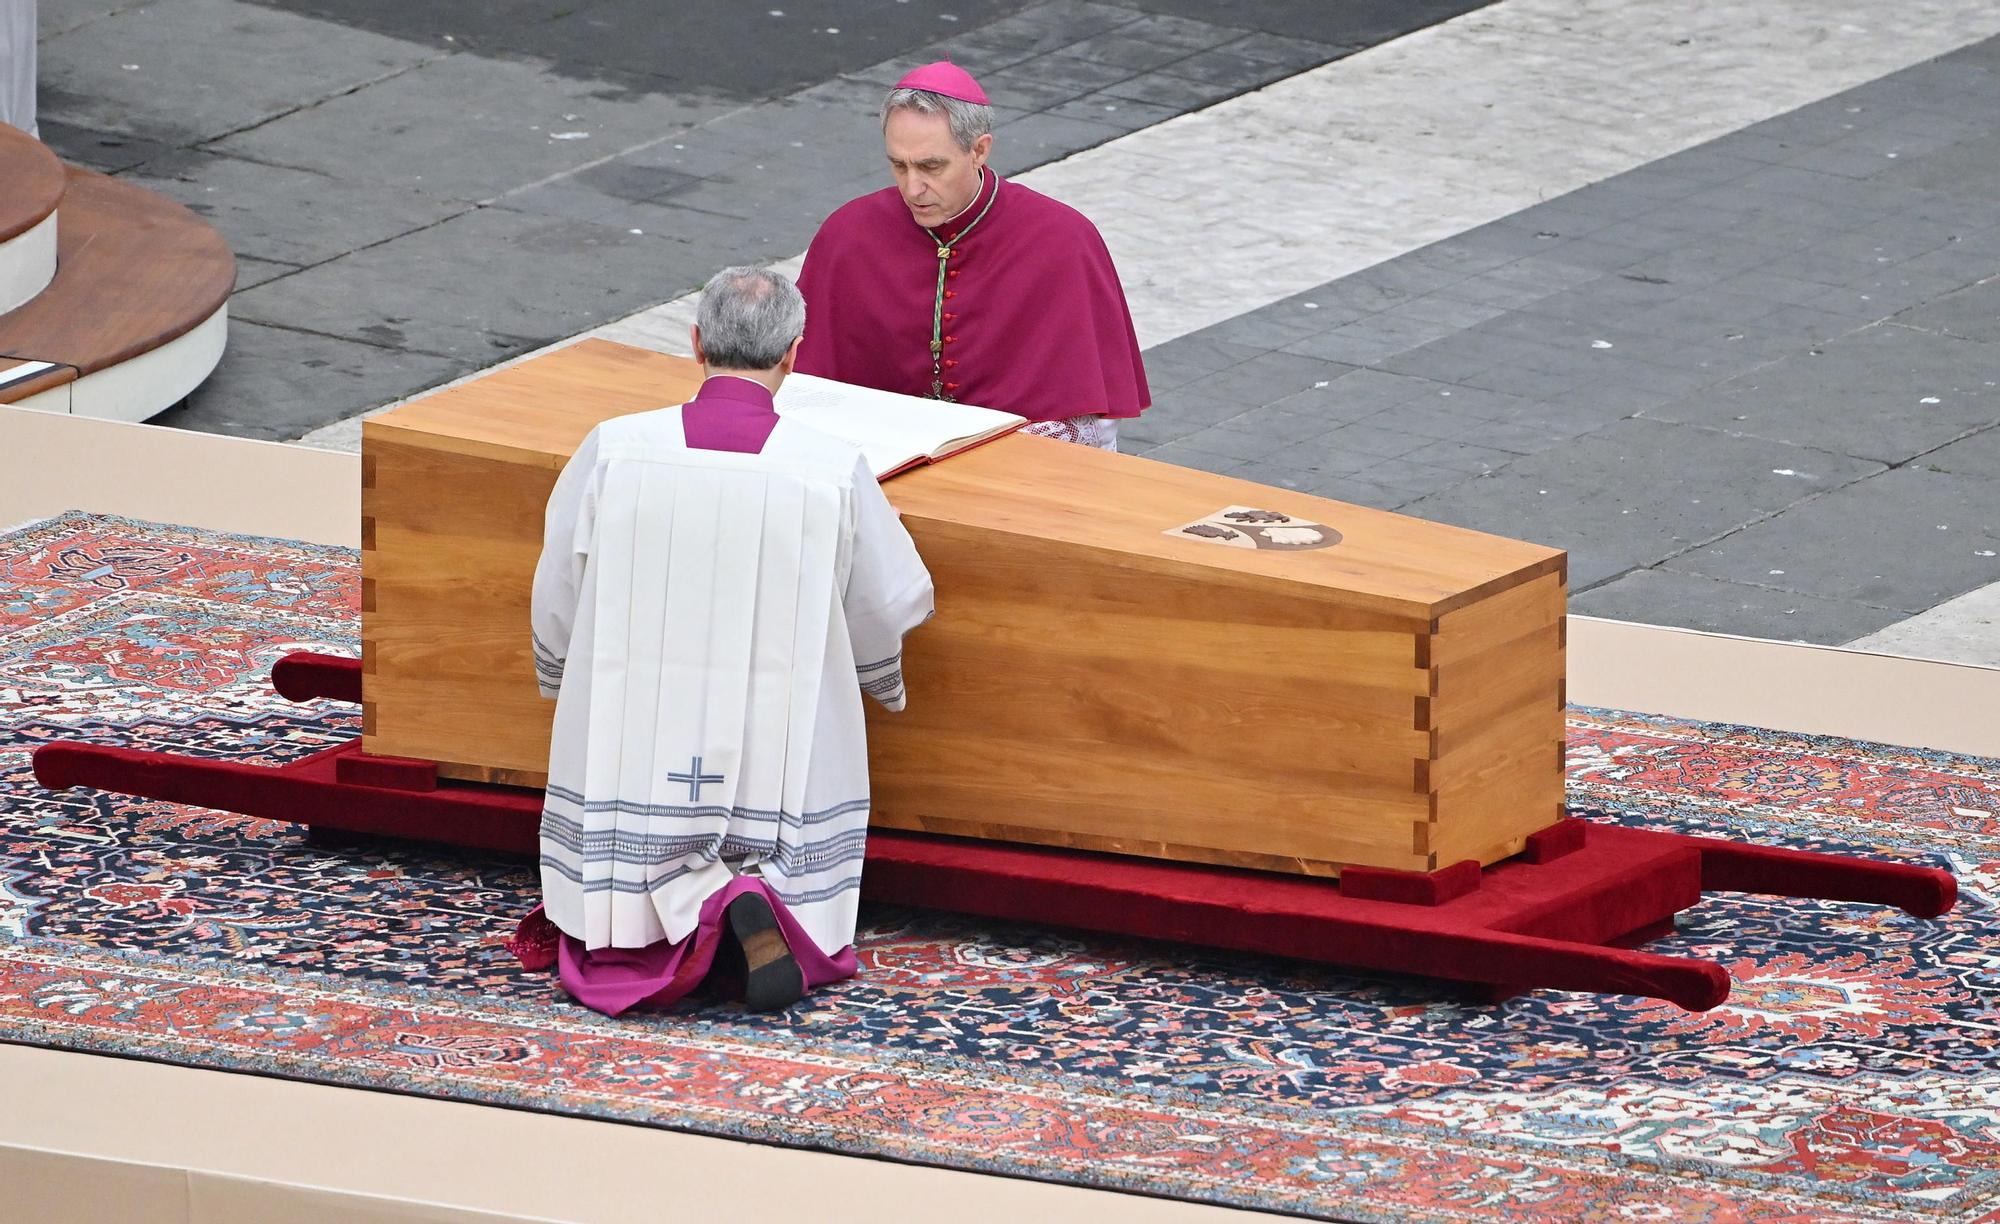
(1962, 630)
(1370, 157)
(1751, 387)
(417, 191)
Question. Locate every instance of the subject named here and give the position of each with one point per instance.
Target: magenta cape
(729, 414)
(1036, 322)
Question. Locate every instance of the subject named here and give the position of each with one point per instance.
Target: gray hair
(969, 120)
(749, 318)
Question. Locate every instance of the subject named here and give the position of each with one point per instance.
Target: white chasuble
(707, 622)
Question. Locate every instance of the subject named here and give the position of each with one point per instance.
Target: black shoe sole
(771, 979)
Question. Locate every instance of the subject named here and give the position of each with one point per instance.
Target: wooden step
(34, 181)
(31, 184)
(21, 379)
(138, 277)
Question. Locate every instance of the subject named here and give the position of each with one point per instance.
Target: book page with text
(892, 430)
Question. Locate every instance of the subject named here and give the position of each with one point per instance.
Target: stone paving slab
(251, 271)
(716, 47)
(1045, 137)
(104, 152)
(277, 380)
(1164, 89)
(1975, 455)
(510, 124)
(1039, 30)
(1637, 491)
(1964, 630)
(55, 17)
(1972, 313)
(1911, 538)
(282, 215)
(151, 71)
(735, 50)
(432, 292)
(1693, 601)
(1356, 22)
(1883, 392)
(451, 25)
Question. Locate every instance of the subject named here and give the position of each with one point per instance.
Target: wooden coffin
(1115, 664)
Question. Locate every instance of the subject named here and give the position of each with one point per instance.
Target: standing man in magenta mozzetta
(956, 284)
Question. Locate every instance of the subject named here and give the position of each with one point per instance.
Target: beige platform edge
(85, 1138)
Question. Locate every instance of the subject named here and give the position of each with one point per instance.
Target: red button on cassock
(951, 386)
(948, 316)
(951, 293)
(951, 339)
(953, 272)
(949, 362)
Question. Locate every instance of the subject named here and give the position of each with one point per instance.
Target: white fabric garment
(1089, 430)
(17, 64)
(707, 622)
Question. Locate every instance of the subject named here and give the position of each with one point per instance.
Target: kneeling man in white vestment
(717, 589)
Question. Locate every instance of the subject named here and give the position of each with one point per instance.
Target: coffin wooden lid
(537, 412)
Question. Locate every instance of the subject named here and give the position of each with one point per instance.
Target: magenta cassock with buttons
(1017, 292)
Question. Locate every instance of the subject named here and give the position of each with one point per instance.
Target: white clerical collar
(968, 204)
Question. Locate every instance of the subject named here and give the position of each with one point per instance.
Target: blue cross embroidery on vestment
(695, 780)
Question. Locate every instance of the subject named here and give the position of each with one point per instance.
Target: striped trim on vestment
(628, 807)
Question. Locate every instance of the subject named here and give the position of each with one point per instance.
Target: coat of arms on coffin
(1249, 527)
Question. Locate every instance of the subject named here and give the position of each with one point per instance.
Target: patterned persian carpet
(1853, 1075)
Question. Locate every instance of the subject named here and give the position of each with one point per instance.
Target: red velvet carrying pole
(309, 793)
(303, 675)
(1922, 892)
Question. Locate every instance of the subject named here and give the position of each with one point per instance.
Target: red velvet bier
(1569, 913)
